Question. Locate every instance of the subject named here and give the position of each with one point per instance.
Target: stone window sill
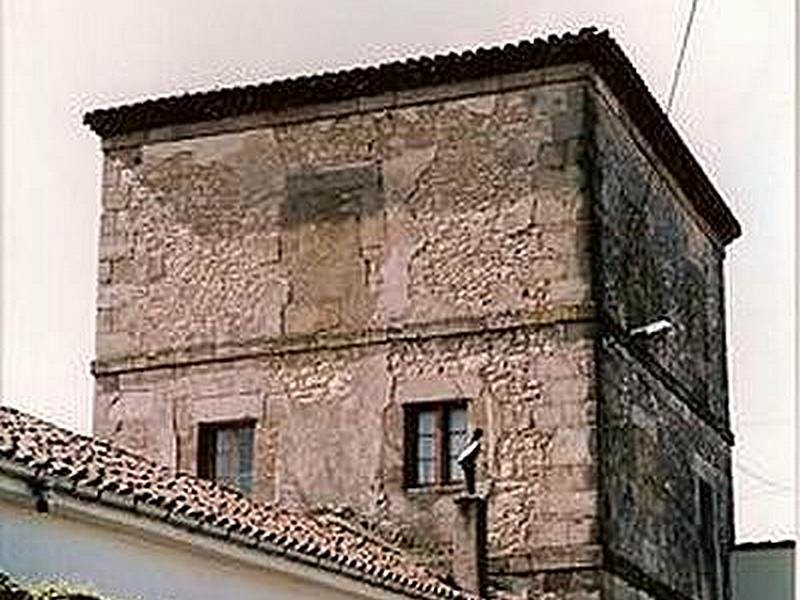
(439, 489)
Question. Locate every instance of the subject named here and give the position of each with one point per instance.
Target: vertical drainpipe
(469, 543)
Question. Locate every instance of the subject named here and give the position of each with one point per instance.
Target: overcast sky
(734, 107)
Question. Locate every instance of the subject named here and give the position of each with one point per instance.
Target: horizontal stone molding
(232, 352)
(589, 559)
(547, 560)
(613, 333)
(632, 574)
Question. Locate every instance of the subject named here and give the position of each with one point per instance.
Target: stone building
(313, 288)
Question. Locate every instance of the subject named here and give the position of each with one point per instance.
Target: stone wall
(531, 391)
(654, 450)
(656, 260)
(318, 277)
(453, 210)
(663, 399)
(330, 432)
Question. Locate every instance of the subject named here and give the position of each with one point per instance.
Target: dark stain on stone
(320, 195)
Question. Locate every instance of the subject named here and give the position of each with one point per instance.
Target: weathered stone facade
(663, 400)
(320, 270)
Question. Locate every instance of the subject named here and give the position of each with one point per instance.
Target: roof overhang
(598, 50)
(20, 486)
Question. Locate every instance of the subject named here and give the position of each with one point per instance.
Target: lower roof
(93, 470)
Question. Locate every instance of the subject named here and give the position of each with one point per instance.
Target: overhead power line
(678, 65)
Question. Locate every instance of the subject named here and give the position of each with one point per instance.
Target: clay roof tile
(587, 46)
(25, 439)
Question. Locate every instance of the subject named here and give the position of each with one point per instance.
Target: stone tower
(324, 283)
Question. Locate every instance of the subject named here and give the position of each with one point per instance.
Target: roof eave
(597, 49)
(16, 486)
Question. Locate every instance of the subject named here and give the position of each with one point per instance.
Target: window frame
(442, 410)
(709, 569)
(207, 433)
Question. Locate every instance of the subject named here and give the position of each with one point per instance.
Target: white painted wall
(763, 573)
(53, 547)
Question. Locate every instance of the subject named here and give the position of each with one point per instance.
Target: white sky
(734, 107)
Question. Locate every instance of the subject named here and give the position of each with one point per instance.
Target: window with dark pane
(225, 454)
(708, 555)
(426, 431)
(456, 418)
(435, 435)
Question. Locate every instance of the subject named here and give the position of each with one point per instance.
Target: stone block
(112, 248)
(107, 224)
(573, 505)
(105, 320)
(549, 268)
(104, 272)
(122, 271)
(401, 173)
(110, 296)
(582, 532)
(270, 313)
(443, 387)
(552, 155)
(567, 390)
(548, 533)
(516, 217)
(559, 366)
(576, 414)
(115, 198)
(115, 344)
(573, 446)
(372, 230)
(574, 290)
(554, 206)
(131, 418)
(547, 415)
(482, 105)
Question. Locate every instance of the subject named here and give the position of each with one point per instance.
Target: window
(225, 454)
(435, 435)
(707, 538)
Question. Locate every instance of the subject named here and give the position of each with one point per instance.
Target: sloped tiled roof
(588, 46)
(96, 471)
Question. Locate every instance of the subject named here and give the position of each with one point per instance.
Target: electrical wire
(677, 72)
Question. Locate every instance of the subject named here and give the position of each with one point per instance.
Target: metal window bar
(425, 457)
(456, 434)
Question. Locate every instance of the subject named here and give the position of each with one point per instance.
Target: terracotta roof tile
(85, 466)
(587, 46)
